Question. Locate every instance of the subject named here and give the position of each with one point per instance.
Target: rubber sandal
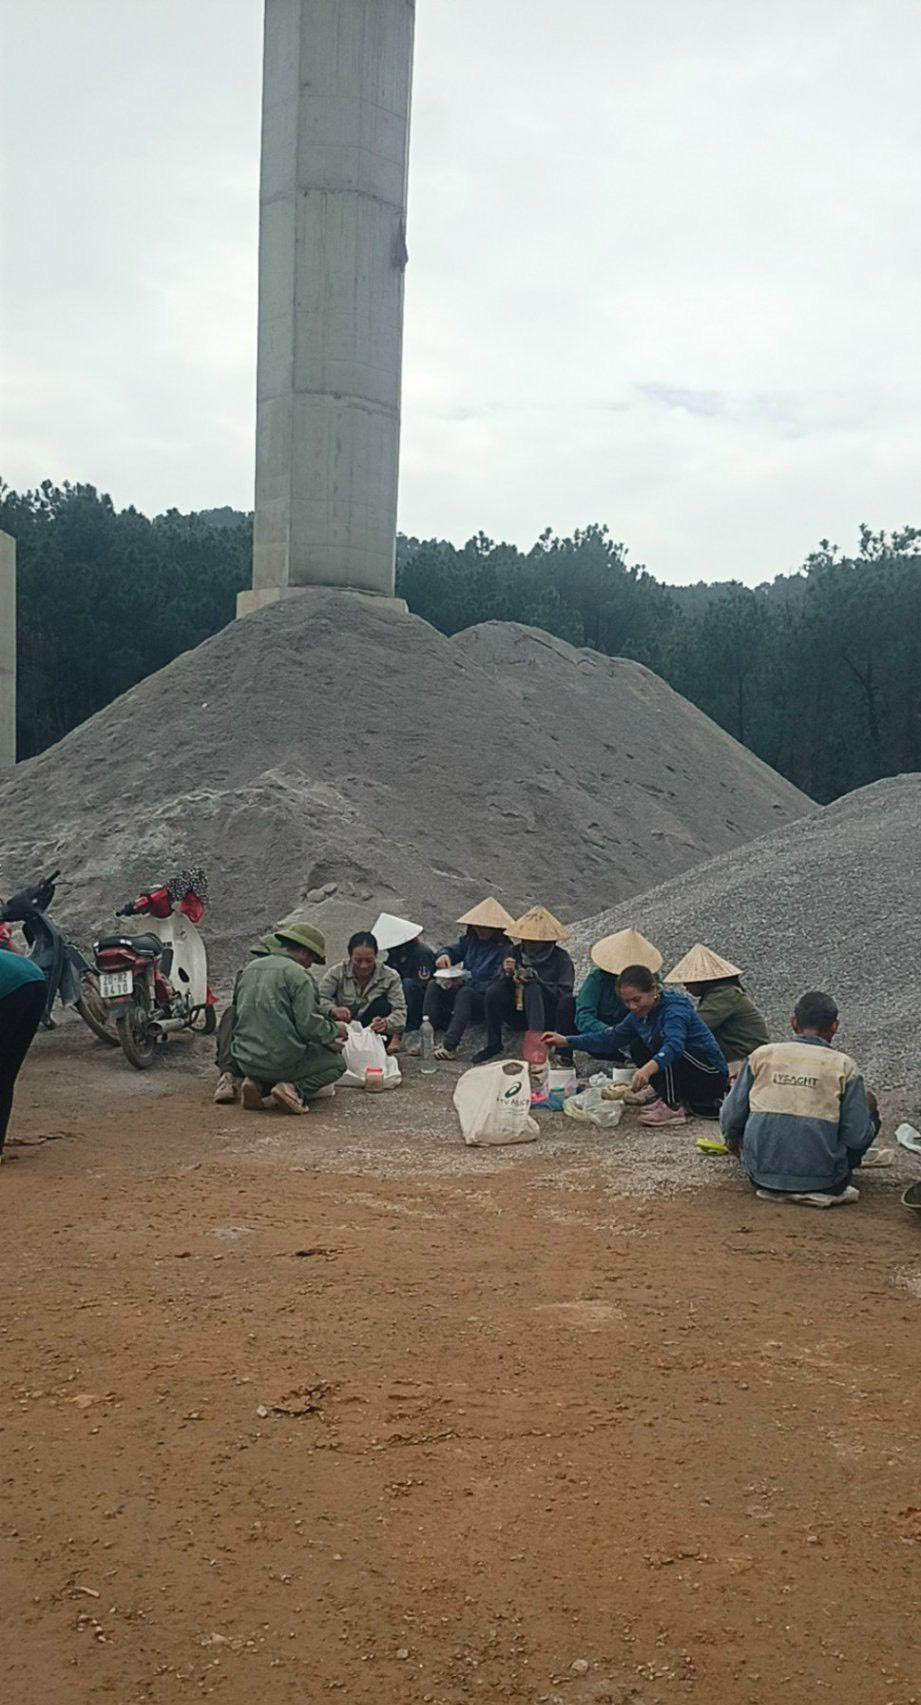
(710, 1145)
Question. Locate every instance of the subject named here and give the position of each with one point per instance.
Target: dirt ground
(302, 1409)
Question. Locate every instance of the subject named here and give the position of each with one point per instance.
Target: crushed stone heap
(333, 743)
(828, 903)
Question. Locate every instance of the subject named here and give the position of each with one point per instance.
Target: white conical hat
(394, 932)
(488, 914)
(701, 965)
(538, 925)
(615, 952)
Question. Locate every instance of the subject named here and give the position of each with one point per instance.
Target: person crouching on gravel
(534, 988)
(363, 989)
(674, 1050)
(722, 1003)
(800, 1118)
(228, 1084)
(478, 956)
(23, 992)
(285, 1049)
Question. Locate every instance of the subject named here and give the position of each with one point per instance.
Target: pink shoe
(659, 1113)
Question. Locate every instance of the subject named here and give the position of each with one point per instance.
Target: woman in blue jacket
(680, 1057)
(479, 954)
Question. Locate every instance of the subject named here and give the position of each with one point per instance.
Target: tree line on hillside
(818, 672)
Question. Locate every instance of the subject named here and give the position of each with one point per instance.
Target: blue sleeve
(675, 1026)
(603, 1044)
(735, 1109)
(856, 1124)
(587, 1000)
(455, 952)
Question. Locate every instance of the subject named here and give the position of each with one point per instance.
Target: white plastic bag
(364, 1048)
(492, 1105)
(590, 1108)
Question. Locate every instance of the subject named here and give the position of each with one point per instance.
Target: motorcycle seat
(147, 944)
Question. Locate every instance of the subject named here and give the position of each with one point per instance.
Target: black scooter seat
(149, 945)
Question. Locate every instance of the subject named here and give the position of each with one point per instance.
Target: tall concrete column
(332, 252)
(7, 650)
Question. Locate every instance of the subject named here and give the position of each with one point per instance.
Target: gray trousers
(223, 1042)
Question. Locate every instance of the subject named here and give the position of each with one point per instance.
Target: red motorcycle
(157, 981)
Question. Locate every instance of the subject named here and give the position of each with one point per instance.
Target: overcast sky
(664, 266)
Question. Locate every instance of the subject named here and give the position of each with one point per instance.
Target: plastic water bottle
(427, 1047)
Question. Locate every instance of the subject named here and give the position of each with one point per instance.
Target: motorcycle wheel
(94, 1011)
(137, 1036)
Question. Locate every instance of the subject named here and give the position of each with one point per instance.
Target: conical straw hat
(701, 965)
(538, 925)
(488, 914)
(390, 931)
(615, 952)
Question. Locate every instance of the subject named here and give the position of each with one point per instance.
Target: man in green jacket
(284, 1048)
(722, 1003)
(228, 1084)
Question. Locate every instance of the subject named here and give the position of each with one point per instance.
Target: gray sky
(664, 263)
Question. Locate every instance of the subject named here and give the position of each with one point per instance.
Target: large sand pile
(334, 743)
(830, 902)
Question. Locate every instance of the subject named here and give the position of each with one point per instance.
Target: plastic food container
(374, 1078)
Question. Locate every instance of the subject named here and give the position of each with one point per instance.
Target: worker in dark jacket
(800, 1117)
(453, 1003)
(722, 1003)
(408, 955)
(679, 1055)
(535, 988)
(598, 1004)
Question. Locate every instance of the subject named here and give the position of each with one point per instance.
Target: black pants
(415, 993)
(687, 1082)
(20, 1016)
(379, 1008)
(540, 1009)
(452, 1010)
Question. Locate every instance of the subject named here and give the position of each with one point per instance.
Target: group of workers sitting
(796, 1113)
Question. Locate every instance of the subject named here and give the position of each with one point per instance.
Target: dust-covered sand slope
(331, 740)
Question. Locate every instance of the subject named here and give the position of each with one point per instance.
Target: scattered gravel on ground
(332, 755)
(830, 902)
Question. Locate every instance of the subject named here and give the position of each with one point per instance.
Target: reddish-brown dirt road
(297, 1410)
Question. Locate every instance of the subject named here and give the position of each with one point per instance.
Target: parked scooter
(157, 981)
(69, 977)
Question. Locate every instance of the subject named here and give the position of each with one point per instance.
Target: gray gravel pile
(333, 756)
(830, 902)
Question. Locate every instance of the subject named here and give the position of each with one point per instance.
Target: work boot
(228, 1089)
(285, 1096)
(659, 1113)
(251, 1095)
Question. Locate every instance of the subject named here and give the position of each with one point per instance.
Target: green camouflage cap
(303, 935)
